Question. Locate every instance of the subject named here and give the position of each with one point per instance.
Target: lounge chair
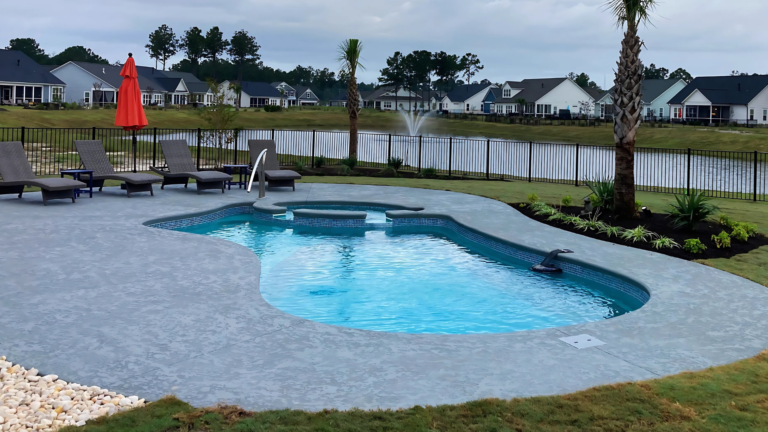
(181, 167)
(17, 173)
(94, 157)
(275, 176)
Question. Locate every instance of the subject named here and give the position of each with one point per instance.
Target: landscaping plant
(610, 231)
(722, 240)
(664, 243)
(428, 173)
(694, 246)
(350, 162)
(691, 209)
(320, 161)
(566, 201)
(751, 229)
(396, 163)
(740, 234)
(725, 221)
(298, 166)
(532, 198)
(638, 234)
(603, 190)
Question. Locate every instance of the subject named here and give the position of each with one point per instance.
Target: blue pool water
(410, 280)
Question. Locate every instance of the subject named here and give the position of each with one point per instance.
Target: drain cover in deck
(582, 341)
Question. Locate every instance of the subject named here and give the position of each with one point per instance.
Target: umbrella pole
(134, 151)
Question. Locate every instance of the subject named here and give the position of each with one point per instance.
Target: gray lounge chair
(94, 157)
(17, 173)
(181, 167)
(275, 176)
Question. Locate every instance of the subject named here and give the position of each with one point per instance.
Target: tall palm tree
(627, 98)
(349, 57)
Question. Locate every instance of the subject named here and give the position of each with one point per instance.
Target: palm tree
(349, 57)
(627, 98)
(237, 89)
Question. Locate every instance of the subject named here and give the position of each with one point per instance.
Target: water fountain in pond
(415, 120)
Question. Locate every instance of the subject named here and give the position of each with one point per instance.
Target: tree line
(31, 48)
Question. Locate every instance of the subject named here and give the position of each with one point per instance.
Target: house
(490, 99)
(288, 92)
(340, 99)
(22, 80)
(723, 99)
(254, 94)
(656, 95)
(542, 97)
(305, 96)
(387, 99)
(466, 98)
(95, 83)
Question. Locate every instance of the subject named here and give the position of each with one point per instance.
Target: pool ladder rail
(546, 265)
(259, 168)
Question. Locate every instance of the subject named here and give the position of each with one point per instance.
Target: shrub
(638, 234)
(395, 163)
(694, 246)
(388, 172)
(594, 200)
(272, 108)
(40, 107)
(532, 198)
(537, 205)
(558, 217)
(320, 161)
(664, 243)
(345, 170)
(690, 210)
(566, 201)
(350, 162)
(602, 189)
(610, 231)
(740, 234)
(751, 229)
(299, 166)
(428, 173)
(725, 221)
(638, 206)
(722, 240)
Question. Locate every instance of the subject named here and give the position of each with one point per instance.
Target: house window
(751, 113)
(500, 109)
(648, 112)
(765, 115)
(507, 93)
(554, 109)
(677, 112)
(661, 112)
(146, 99)
(158, 99)
(57, 94)
(510, 109)
(387, 105)
(87, 98)
(467, 107)
(602, 110)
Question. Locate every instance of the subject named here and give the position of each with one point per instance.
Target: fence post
(389, 148)
(313, 148)
(688, 181)
(199, 142)
(420, 137)
(754, 179)
(530, 159)
(154, 147)
(23, 129)
(273, 134)
(577, 164)
(93, 134)
(450, 155)
(488, 159)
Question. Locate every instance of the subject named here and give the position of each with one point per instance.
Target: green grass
(326, 118)
(727, 398)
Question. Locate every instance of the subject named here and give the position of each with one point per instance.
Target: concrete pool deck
(91, 294)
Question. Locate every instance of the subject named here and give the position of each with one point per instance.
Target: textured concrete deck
(89, 293)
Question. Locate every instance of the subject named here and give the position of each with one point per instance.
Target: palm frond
(350, 51)
(631, 11)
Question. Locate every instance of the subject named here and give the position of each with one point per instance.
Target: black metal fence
(722, 174)
(526, 120)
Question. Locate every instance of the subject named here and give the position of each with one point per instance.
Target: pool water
(410, 280)
(374, 215)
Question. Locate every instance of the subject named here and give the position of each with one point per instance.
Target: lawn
(727, 398)
(325, 118)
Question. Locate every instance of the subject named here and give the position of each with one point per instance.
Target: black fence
(526, 120)
(722, 174)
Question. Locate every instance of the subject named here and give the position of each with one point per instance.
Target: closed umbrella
(130, 113)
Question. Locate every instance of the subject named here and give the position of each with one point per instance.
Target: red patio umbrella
(130, 113)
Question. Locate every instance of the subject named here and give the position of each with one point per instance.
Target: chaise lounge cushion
(94, 157)
(282, 175)
(51, 184)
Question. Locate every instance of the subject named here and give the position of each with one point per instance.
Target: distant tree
(30, 47)
(523, 104)
(423, 68)
(163, 44)
(470, 66)
(447, 68)
(349, 58)
(219, 119)
(737, 73)
(243, 50)
(582, 80)
(215, 46)
(394, 74)
(652, 72)
(193, 46)
(586, 107)
(237, 89)
(77, 53)
(682, 74)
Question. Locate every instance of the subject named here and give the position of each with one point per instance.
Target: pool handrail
(260, 169)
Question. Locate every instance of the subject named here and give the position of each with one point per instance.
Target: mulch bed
(659, 224)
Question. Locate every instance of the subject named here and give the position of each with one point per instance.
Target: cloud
(515, 39)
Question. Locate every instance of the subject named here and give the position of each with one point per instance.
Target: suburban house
(340, 99)
(656, 95)
(542, 97)
(98, 84)
(723, 99)
(288, 92)
(490, 99)
(254, 94)
(386, 99)
(305, 96)
(22, 80)
(466, 98)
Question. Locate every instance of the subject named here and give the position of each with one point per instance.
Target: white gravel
(30, 402)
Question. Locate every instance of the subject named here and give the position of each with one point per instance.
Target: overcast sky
(515, 39)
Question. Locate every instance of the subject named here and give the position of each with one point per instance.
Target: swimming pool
(411, 280)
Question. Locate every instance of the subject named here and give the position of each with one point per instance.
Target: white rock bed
(29, 402)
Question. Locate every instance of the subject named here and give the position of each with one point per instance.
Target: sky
(514, 39)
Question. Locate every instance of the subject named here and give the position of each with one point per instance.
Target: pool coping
(97, 297)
